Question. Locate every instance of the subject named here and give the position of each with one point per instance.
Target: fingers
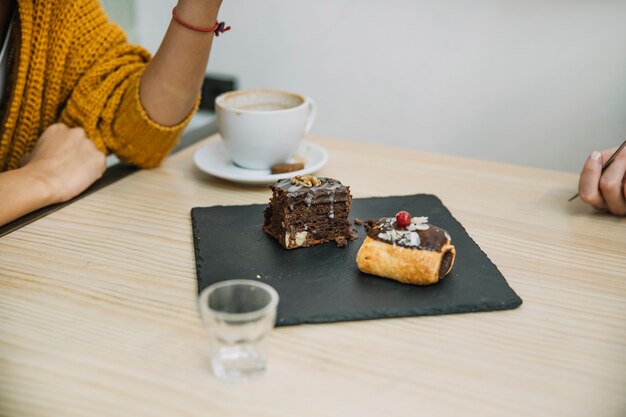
(90, 147)
(58, 126)
(78, 132)
(588, 184)
(54, 129)
(98, 158)
(54, 135)
(606, 154)
(47, 140)
(93, 160)
(612, 185)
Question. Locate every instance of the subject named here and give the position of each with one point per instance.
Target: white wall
(535, 82)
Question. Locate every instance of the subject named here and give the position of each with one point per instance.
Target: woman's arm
(62, 165)
(171, 82)
(138, 118)
(604, 191)
(22, 191)
(65, 162)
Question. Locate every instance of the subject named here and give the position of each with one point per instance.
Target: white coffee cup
(261, 128)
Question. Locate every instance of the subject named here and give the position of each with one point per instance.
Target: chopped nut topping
(369, 223)
(306, 181)
(341, 242)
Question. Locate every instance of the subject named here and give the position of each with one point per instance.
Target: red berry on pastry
(403, 219)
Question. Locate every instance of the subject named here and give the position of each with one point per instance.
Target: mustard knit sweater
(68, 64)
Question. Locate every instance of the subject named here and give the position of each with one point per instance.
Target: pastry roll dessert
(406, 249)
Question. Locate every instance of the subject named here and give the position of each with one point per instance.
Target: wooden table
(98, 309)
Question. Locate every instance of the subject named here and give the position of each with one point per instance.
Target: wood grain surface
(98, 309)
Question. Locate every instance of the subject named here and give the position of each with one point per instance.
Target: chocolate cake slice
(306, 211)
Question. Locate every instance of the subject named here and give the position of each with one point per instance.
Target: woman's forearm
(21, 192)
(171, 82)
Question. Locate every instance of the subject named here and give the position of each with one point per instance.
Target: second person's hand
(604, 191)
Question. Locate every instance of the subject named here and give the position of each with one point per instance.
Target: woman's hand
(604, 190)
(66, 161)
(62, 165)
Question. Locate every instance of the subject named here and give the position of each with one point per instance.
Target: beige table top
(98, 306)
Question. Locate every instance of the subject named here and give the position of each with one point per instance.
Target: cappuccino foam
(260, 100)
(264, 106)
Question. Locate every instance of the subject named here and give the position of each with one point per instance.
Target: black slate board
(322, 284)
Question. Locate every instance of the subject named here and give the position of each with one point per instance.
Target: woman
(72, 89)
(604, 191)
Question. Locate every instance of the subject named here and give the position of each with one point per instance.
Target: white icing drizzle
(394, 236)
(403, 237)
(329, 185)
(294, 188)
(308, 199)
(320, 194)
(418, 223)
(407, 236)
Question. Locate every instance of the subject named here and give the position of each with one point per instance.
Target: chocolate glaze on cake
(301, 215)
(418, 235)
(330, 191)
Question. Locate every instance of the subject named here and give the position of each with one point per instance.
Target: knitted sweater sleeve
(104, 99)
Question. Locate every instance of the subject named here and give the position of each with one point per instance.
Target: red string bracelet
(218, 27)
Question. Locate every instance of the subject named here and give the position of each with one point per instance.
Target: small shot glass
(239, 315)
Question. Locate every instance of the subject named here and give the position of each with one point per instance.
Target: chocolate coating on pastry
(415, 253)
(446, 263)
(418, 235)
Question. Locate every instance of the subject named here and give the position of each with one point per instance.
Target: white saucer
(213, 159)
